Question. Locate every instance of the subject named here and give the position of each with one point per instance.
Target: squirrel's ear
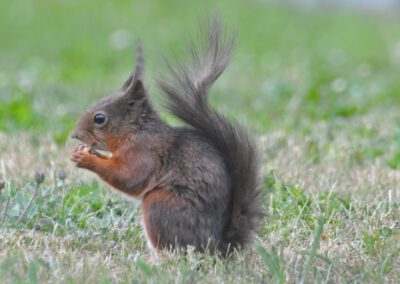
(136, 90)
(127, 83)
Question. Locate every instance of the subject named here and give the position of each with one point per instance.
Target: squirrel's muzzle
(75, 135)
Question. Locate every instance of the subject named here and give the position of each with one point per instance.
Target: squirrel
(198, 184)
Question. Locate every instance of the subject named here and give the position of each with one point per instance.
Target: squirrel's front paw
(82, 157)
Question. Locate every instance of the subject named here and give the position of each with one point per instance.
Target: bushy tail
(187, 90)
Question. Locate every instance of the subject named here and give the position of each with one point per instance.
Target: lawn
(318, 87)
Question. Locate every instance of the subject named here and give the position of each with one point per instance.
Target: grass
(318, 87)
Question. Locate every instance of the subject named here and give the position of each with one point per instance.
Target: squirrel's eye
(99, 118)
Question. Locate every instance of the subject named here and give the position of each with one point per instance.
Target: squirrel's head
(117, 116)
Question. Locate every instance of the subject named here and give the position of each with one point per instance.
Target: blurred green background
(316, 81)
(294, 65)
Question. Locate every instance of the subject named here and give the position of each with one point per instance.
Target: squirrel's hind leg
(171, 221)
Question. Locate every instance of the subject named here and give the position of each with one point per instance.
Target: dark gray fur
(214, 164)
(198, 178)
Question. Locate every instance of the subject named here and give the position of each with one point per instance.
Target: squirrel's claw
(81, 147)
(82, 156)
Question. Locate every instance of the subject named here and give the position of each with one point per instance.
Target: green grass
(319, 88)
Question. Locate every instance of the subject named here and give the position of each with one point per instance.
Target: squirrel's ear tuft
(137, 73)
(139, 67)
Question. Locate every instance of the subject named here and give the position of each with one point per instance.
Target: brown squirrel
(198, 184)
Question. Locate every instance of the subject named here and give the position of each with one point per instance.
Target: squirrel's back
(187, 89)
